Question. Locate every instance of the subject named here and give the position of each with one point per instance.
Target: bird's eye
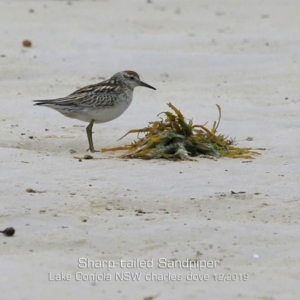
(131, 78)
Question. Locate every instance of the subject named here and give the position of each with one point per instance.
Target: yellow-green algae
(176, 138)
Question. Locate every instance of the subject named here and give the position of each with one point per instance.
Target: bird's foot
(92, 150)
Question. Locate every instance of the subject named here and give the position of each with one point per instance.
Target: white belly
(106, 114)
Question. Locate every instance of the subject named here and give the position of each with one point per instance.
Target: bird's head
(131, 80)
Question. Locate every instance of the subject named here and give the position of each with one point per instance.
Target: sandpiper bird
(100, 102)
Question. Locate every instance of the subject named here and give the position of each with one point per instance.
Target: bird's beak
(147, 85)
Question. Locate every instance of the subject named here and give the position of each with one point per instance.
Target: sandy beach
(108, 228)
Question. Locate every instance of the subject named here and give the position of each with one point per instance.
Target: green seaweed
(175, 138)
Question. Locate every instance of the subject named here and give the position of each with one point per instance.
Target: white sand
(243, 55)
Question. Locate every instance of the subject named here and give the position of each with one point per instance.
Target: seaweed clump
(176, 138)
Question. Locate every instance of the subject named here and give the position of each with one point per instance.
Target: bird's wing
(96, 95)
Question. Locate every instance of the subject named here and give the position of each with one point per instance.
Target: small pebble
(10, 231)
(27, 43)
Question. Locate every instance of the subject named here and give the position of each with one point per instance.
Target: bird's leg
(90, 138)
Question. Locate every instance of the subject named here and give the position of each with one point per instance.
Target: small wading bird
(100, 102)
